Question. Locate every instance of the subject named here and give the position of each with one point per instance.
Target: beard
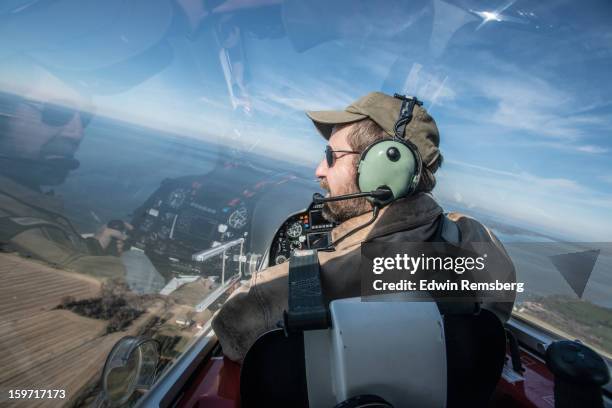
(37, 173)
(51, 168)
(57, 157)
(340, 211)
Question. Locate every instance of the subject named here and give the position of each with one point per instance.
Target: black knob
(579, 374)
(393, 154)
(575, 362)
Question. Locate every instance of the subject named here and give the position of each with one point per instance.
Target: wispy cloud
(280, 95)
(524, 177)
(525, 102)
(592, 149)
(606, 178)
(558, 205)
(520, 101)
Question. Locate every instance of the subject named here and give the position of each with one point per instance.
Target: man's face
(43, 133)
(341, 178)
(30, 136)
(47, 144)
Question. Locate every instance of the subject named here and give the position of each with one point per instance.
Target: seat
(274, 373)
(274, 369)
(475, 354)
(405, 353)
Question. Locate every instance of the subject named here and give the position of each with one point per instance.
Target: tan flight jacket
(66, 250)
(257, 308)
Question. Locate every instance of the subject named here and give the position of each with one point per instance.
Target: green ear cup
(388, 163)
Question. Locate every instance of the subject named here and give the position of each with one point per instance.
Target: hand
(107, 235)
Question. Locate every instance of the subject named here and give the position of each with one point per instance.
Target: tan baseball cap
(384, 110)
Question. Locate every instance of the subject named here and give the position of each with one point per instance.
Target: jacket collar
(29, 196)
(401, 215)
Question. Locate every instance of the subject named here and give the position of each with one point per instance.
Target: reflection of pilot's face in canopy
(42, 124)
(42, 116)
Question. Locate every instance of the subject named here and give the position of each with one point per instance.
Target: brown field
(27, 287)
(44, 348)
(41, 347)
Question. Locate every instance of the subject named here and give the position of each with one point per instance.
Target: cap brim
(324, 121)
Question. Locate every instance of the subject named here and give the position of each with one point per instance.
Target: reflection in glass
(184, 119)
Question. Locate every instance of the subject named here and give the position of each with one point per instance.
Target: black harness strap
(307, 309)
(447, 231)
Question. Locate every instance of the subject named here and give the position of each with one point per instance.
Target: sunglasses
(330, 157)
(58, 115)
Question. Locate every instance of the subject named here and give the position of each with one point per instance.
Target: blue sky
(520, 92)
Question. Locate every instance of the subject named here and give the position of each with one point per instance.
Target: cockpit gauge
(164, 232)
(147, 224)
(280, 259)
(177, 198)
(239, 218)
(294, 230)
(304, 230)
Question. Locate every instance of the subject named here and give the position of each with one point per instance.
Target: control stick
(119, 226)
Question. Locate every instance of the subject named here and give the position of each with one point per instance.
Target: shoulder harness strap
(307, 309)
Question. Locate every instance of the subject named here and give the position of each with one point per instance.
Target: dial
(164, 231)
(294, 230)
(147, 224)
(238, 219)
(282, 247)
(296, 245)
(177, 198)
(280, 259)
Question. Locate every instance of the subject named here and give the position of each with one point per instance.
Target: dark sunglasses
(57, 115)
(330, 157)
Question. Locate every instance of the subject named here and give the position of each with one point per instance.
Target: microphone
(381, 195)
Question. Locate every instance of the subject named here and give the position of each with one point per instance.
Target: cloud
(279, 95)
(376, 58)
(524, 102)
(523, 177)
(561, 146)
(592, 149)
(215, 103)
(520, 100)
(557, 205)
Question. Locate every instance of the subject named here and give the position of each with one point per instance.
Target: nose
(73, 129)
(322, 168)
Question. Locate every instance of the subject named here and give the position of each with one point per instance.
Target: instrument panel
(305, 230)
(184, 216)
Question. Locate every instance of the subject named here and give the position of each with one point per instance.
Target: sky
(520, 90)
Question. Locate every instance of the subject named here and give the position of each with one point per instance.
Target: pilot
(258, 307)
(42, 122)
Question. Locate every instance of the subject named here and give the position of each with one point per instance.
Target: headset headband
(405, 114)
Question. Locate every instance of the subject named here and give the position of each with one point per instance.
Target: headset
(389, 168)
(393, 164)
